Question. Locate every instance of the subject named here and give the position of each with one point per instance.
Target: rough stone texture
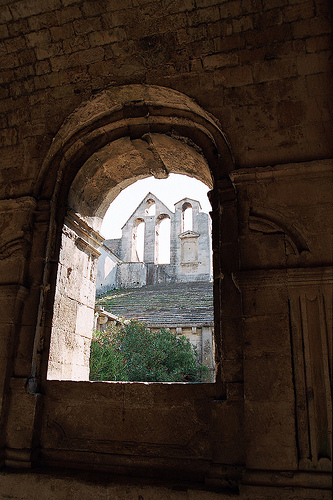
(190, 249)
(106, 276)
(74, 306)
(183, 308)
(82, 81)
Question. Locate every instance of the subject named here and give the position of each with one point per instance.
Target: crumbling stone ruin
(96, 94)
(177, 295)
(120, 266)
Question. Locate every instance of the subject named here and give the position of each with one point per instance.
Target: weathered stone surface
(80, 81)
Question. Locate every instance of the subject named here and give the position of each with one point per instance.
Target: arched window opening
(187, 215)
(89, 202)
(138, 240)
(150, 207)
(170, 259)
(164, 280)
(162, 242)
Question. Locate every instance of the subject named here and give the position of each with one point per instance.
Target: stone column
(310, 292)
(74, 302)
(149, 246)
(228, 406)
(207, 347)
(16, 405)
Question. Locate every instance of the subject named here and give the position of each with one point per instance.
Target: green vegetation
(133, 353)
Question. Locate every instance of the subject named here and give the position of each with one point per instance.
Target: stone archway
(146, 124)
(121, 135)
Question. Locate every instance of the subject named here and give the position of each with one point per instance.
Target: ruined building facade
(176, 295)
(96, 94)
(188, 238)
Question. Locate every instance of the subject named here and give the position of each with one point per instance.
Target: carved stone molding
(310, 315)
(15, 225)
(87, 238)
(293, 277)
(318, 168)
(309, 306)
(269, 221)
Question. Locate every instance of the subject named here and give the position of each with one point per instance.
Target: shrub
(133, 353)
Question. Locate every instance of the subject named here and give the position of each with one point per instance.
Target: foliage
(133, 353)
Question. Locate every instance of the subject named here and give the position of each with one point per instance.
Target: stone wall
(74, 304)
(190, 251)
(260, 67)
(97, 94)
(106, 278)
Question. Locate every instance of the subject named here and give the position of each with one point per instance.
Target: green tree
(133, 353)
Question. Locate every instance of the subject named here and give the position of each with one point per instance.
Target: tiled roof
(169, 304)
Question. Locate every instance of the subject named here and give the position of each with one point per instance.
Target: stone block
(311, 27)
(206, 15)
(268, 378)
(106, 37)
(22, 485)
(269, 18)
(82, 57)
(227, 421)
(24, 72)
(42, 67)
(179, 6)
(232, 370)
(138, 413)
(19, 27)
(22, 364)
(290, 113)
(92, 8)
(76, 44)
(15, 44)
(270, 35)
(6, 332)
(84, 321)
(258, 251)
(225, 44)
(242, 24)
(8, 137)
(232, 345)
(270, 435)
(314, 63)
(62, 32)
(5, 14)
(233, 76)
(220, 28)
(273, 4)
(25, 9)
(68, 14)
(297, 12)
(220, 60)
(319, 84)
(266, 335)
(46, 52)
(9, 61)
(318, 43)
(84, 26)
(4, 32)
(271, 301)
(42, 21)
(22, 411)
(235, 8)
(201, 4)
(274, 70)
(38, 38)
(27, 56)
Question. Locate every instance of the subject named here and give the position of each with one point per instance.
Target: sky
(169, 191)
